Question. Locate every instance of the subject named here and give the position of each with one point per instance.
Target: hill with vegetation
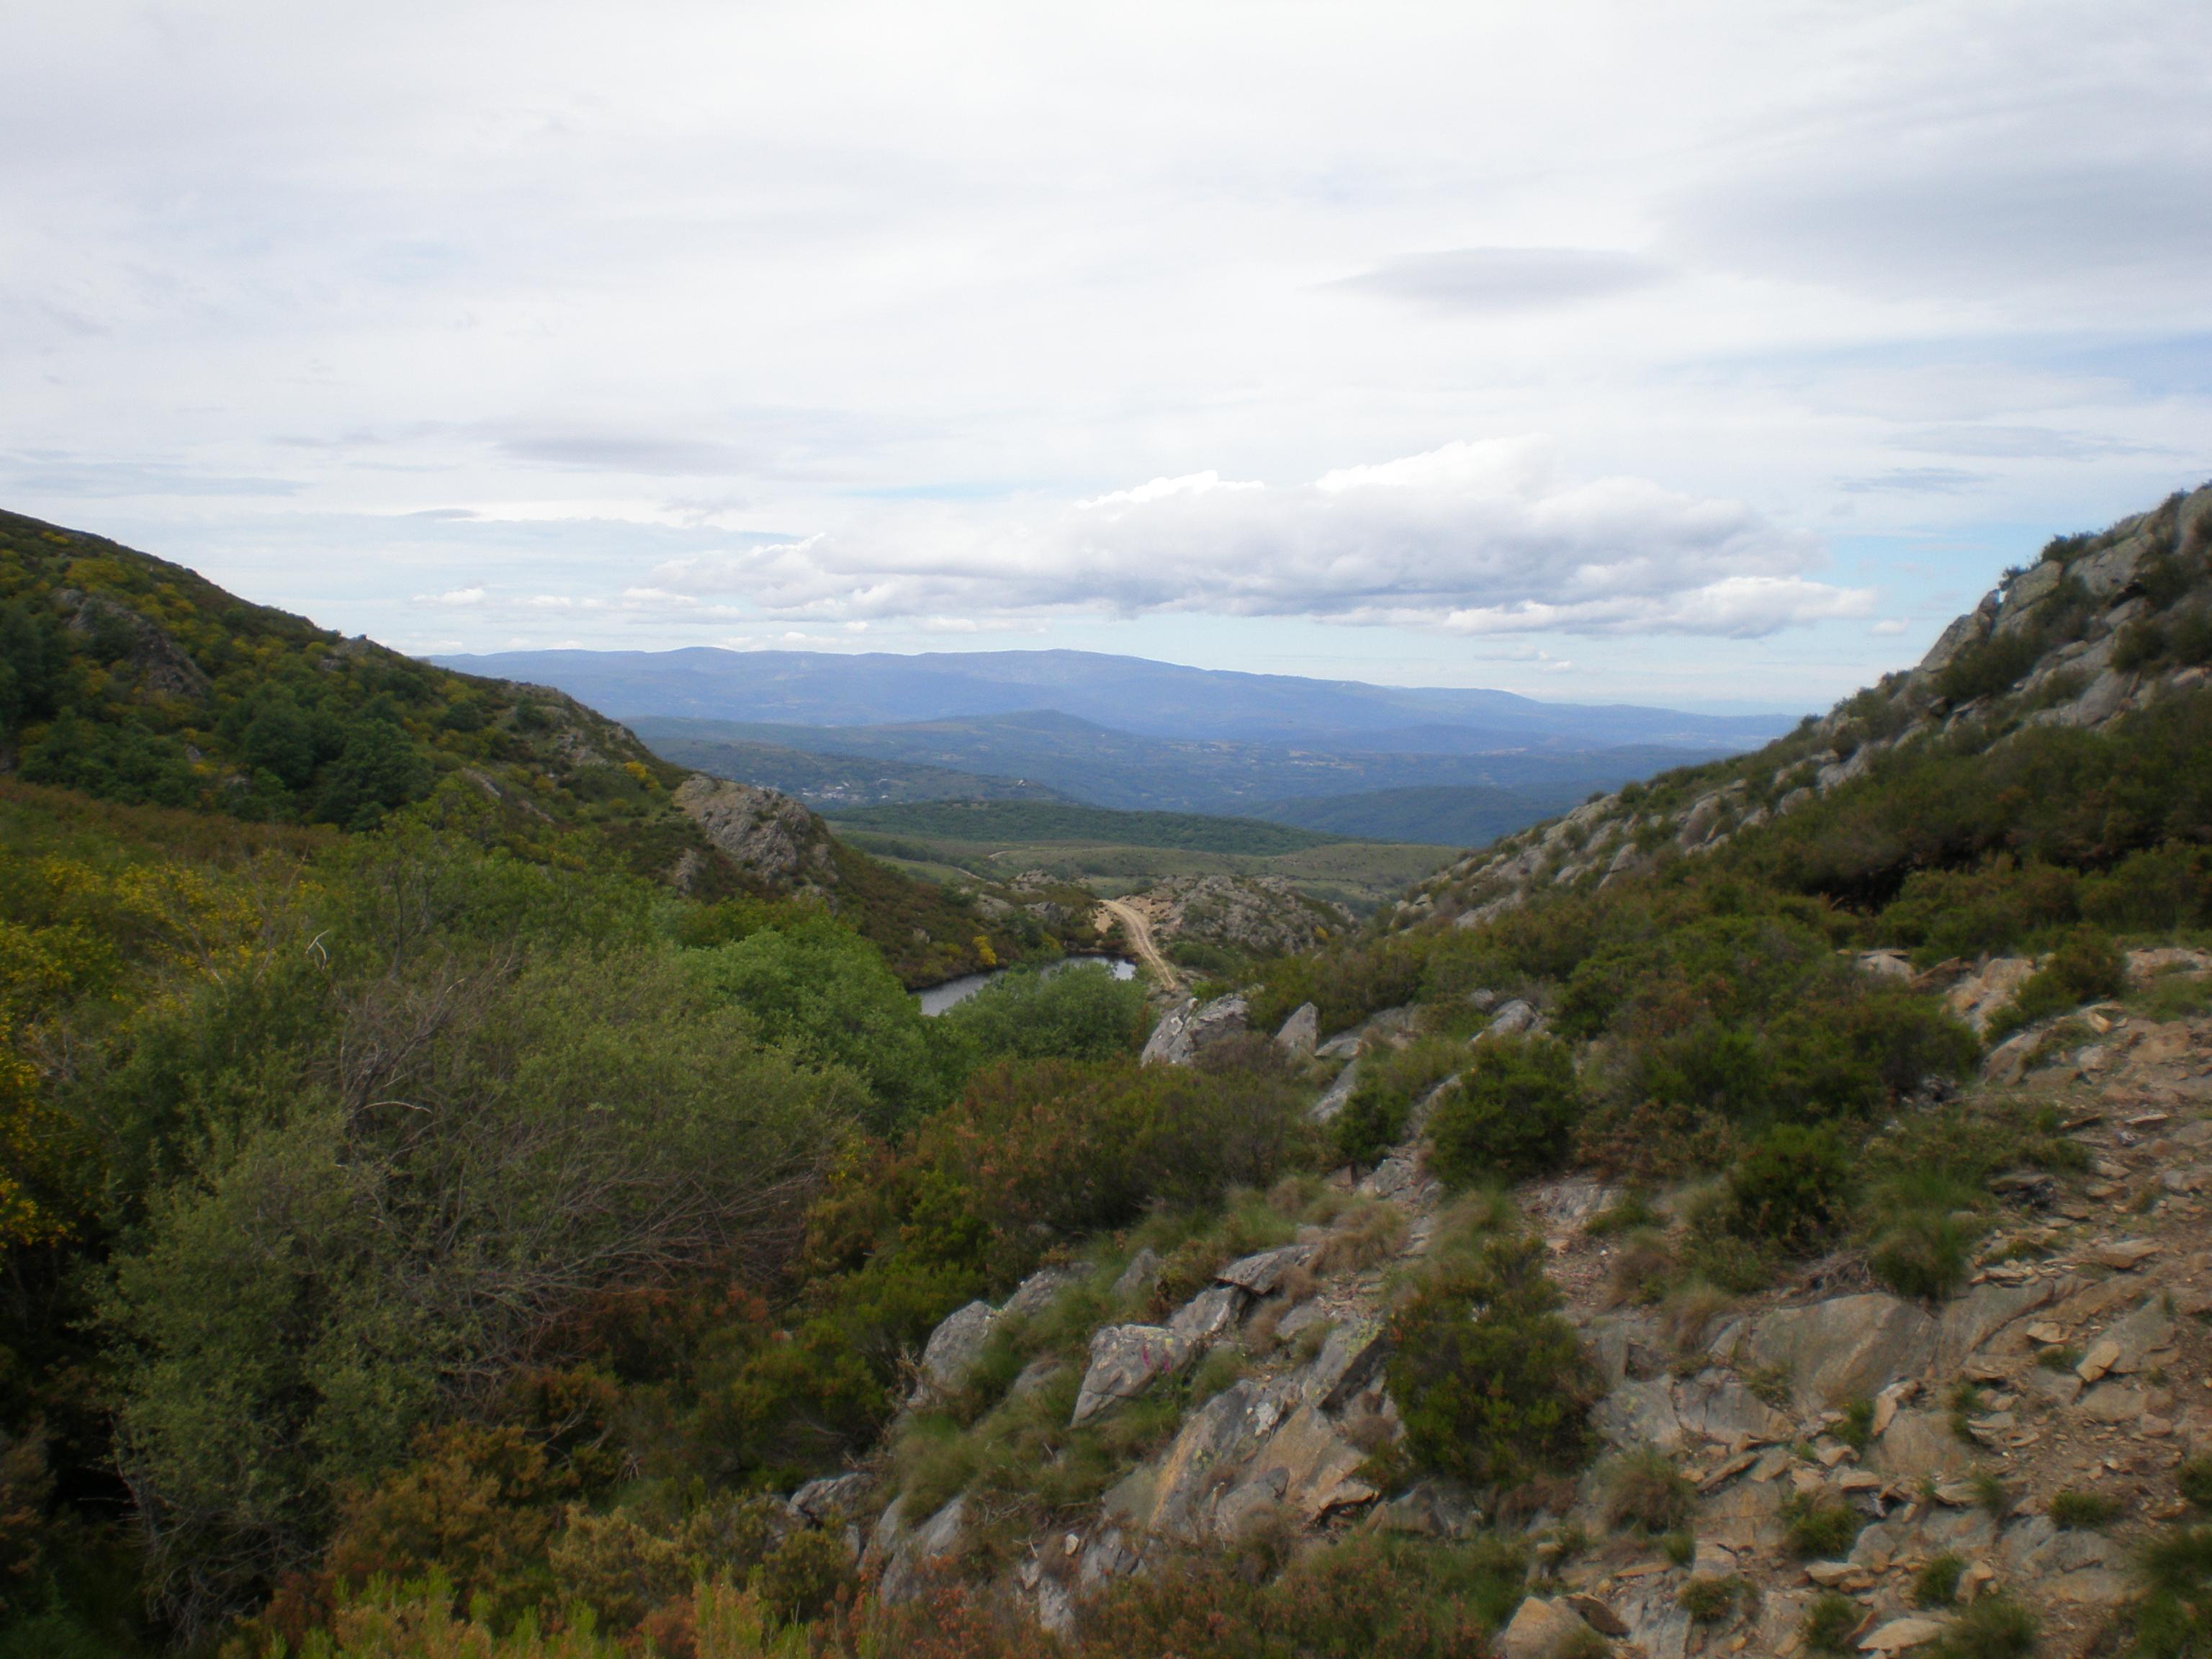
(1764, 1211)
(833, 783)
(137, 681)
(1068, 821)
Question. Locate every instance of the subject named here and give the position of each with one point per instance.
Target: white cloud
(458, 596)
(1475, 538)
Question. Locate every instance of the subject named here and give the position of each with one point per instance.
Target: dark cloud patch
(1488, 279)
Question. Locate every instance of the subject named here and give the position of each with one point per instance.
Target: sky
(1697, 354)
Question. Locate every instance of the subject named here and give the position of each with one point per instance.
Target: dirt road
(1139, 933)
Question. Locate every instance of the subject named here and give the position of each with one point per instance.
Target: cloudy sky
(1675, 352)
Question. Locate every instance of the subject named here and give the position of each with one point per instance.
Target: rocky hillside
(1769, 1216)
(2100, 627)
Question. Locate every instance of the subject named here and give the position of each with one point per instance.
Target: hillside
(1026, 821)
(137, 681)
(1467, 815)
(1125, 694)
(832, 783)
(1764, 1211)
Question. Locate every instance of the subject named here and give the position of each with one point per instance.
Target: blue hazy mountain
(1122, 694)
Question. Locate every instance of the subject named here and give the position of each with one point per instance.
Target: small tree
(1513, 1115)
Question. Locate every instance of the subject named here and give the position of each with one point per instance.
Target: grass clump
(2194, 1479)
(1708, 1600)
(1830, 1622)
(1857, 1430)
(1995, 1627)
(2077, 1510)
(1645, 1490)
(1821, 1525)
(1937, 1583)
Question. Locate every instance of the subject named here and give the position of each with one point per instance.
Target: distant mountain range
(1124, 693)
(1380, 763)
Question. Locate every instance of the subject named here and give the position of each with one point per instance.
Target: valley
(514, 1203)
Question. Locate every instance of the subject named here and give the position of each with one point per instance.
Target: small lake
(938, 998)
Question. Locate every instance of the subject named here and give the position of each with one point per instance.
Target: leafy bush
(1492, 1384)
(1708, 1600)
(2174, 1621)
(1922, 1255)
(1790, 1188)
(1512, 1116)
(1079, 1012)
(2087, 967)
(2194, 1479)
(1390, 1084)
(801, 1576)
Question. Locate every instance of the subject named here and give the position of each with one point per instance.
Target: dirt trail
(1138, 932)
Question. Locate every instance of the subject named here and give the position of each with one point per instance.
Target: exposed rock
(822, 1500)
(1845, 1348)
(1334, 1098)
(1305, 1466)
(1265, 915)
(1206, 1314)
(1139, 1276)
(1125, 1361)
(1261, 1273)
(1189, 1029)
(1515, 1016)
(1715, 1406)
(1900, 1634)
(953, 1349)
(1348, 1361)
(164, 669)
(1222, 1432)
(1919, 1443)
(1543, 1630)
(909, 1559)
(1978, 998)
(1301, 1032)
(1035, 1293)
(1973, 1318)
(771, 837)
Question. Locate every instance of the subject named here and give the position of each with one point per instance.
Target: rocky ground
(2077, 1360)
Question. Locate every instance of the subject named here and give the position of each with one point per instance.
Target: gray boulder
(1261, 1273)
(1205, 1315)
(1188, 1031)
(822, 1500)
(1035, 1293)
(768, 836)
(1139, 1276)
(952, 1351)
(1332, 1101)
(1347, 1362)
(1301, 1032)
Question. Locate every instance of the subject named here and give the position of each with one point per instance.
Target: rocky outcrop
(770, 836)
(1262, 915)
(1190, 1028)
(163, 670)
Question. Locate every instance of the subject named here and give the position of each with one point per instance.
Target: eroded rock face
(768, 836)
(1848, 1348)
(1264, 915)
(1301, 1032)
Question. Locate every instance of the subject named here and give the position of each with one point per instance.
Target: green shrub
(2174, 1621)
(1073, 1012)
(1513, 1115)
(2087, 967)
(1492, 1384)
(800, 1577)
(1790, 1188)
(2075, 1509)
(1391, 1085)
(1857, 1430)
(2194, 1479)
